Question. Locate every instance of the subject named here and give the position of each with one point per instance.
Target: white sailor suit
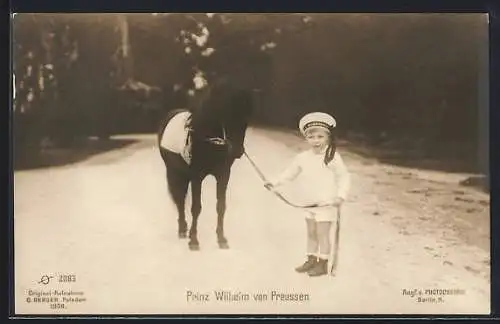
(322, 183)
(325, 179)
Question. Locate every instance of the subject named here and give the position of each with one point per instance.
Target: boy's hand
(338, 201)
(335, 203)
(269, 185)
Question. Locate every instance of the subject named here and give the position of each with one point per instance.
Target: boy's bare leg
(312, 247)
(323, 232)
(325, 245)
(312, 237)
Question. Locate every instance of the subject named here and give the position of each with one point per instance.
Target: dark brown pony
(218, 126)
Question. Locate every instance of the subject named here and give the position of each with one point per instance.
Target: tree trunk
(126, 53)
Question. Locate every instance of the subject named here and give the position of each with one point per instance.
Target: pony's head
(222, 117)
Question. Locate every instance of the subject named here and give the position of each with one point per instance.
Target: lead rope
(336, 245)
(335, 250)
(263, 177)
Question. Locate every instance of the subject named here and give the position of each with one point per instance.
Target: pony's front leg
(195, 212)
(222, 182)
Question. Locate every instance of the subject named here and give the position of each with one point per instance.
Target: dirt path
(109, 221)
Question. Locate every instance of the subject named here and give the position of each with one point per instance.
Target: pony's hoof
(194, 247)
(182, 235)
(223, 245)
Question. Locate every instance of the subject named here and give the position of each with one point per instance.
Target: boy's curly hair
(332, 147)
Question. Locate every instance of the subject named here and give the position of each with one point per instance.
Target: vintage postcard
(224, 163)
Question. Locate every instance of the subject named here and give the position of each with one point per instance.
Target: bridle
(221, 141)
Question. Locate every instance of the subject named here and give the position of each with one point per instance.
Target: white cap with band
(316, 120)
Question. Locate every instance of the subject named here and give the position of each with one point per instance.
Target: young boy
(327, 181)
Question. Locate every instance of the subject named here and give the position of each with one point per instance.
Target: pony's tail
(331, 149)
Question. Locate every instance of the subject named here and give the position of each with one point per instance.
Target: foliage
(404, 76)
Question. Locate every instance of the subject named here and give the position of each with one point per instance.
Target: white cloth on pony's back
(175, 136)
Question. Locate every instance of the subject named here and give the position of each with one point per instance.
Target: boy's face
(317, 138)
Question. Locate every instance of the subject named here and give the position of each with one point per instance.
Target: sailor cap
(316, 120)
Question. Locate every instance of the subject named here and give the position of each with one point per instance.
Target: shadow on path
(450, 158)
(57, 156)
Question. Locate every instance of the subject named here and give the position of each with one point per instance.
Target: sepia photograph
(250, 163)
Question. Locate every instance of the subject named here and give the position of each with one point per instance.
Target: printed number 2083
(67, 278)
